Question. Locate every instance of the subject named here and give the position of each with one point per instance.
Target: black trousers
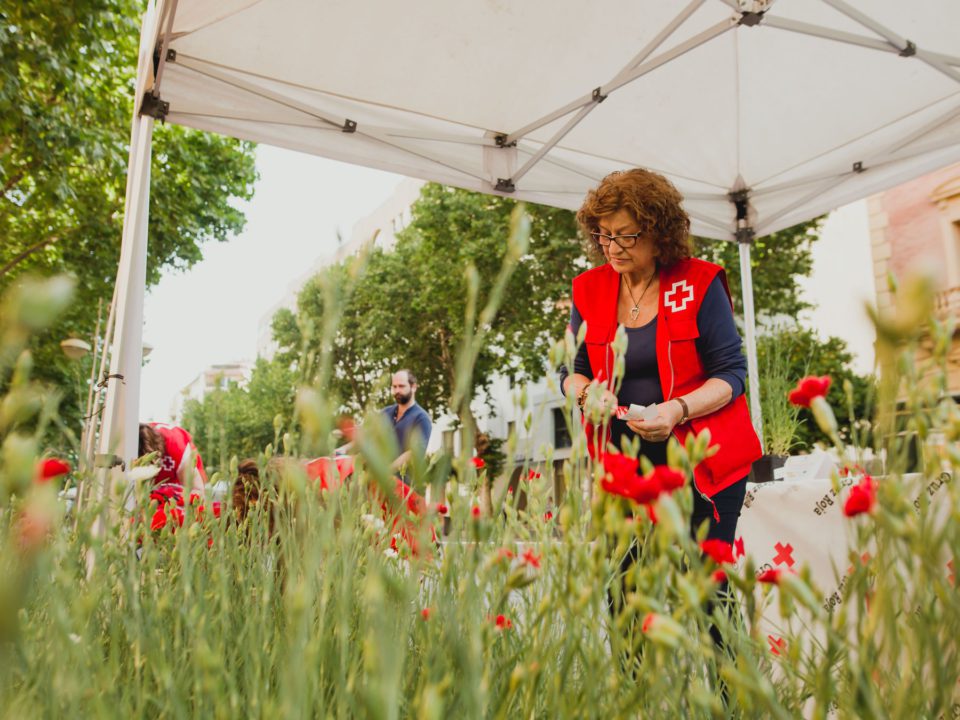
(728, 502)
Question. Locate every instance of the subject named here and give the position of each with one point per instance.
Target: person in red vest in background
(177, 456)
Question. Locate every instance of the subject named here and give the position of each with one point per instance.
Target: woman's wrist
(582, 395)
(684, 410)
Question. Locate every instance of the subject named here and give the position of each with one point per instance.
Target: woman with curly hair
(683, 353)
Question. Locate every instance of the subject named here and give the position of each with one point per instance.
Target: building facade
(915, 227)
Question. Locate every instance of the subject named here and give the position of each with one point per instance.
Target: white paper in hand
(637, 412)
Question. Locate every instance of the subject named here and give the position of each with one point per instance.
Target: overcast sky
(210, 313)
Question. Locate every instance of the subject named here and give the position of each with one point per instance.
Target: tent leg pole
(118, 431)
(750, 326)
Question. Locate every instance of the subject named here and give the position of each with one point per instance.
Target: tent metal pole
(121, 415)
(907, 47)
(121, 407)
(744, 235)
(749, 331)
(345, 125)
(589, 100)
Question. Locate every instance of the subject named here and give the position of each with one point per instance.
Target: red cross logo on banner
(738, 547)
(678, 296)
(784, 555)
(776, 644)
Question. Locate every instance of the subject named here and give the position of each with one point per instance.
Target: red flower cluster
(719, 550)
(862, 497)
(442, 509)
(770, 577)
(502, 622)
(169, 499)
(478, 463)
(809, 388)
(533, 475)
(547, 516)
(622, 479)
(50, 468)
(531, 559)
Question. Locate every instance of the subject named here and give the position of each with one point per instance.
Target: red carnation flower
(478, 463)
(668, 478)
(771, 576)
(503, 622)
(425, 613)
(533, 475)
(547, 516)
(51, 468)
(475, 511)
(809, 388)
(720, 550)
(862, 497)
(159, 520)
(442, 509)
(719, 577)
(531, 559)
(622, 479)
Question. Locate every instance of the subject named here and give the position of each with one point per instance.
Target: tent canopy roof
(804, 104)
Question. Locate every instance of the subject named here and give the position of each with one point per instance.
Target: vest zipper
(716, 514)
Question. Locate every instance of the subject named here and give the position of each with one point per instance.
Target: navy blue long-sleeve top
(718, 346)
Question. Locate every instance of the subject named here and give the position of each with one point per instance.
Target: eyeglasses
(624, 241)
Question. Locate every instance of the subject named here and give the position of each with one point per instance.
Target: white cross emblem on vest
(678, 296)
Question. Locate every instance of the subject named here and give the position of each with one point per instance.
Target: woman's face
(639, 259)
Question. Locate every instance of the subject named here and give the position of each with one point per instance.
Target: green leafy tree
(66, 98)
(242, 421)
(406, 307)
(777, 261)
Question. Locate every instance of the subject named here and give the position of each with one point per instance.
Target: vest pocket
(683, 329)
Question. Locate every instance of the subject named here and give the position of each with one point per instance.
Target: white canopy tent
(764, 114)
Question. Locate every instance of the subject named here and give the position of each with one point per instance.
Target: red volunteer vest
(682, 289)
(176, 440)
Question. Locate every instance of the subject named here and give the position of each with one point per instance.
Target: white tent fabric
(763, 113)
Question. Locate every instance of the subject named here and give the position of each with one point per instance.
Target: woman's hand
(658, 429)
(604, 400)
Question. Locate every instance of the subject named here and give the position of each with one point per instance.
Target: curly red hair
(652, 200)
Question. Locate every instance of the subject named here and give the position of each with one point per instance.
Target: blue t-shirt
(414, 421)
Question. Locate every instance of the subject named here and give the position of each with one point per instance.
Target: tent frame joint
(598, 96)
(153, 106)
(910, 50)
(858, 167)
(349, 126)
(750, 19)
(505, 185)
(501, 141)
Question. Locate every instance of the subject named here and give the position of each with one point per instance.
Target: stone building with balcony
(915, 227)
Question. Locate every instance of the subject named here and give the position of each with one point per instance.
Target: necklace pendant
(634, 312)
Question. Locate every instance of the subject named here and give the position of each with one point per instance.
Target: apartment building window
(561, 433)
